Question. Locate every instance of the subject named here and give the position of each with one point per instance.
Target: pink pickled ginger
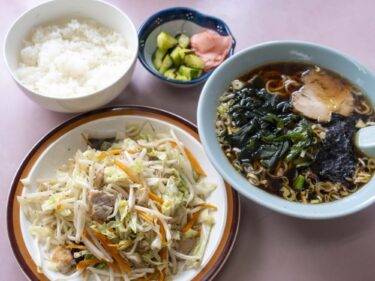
(211, 47)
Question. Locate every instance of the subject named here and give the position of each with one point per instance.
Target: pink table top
(269, 246)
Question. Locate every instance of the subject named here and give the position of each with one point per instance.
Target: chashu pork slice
(321, 95)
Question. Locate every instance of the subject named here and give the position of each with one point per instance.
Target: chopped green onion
(299, 182)
(100, 265)
(89, 257)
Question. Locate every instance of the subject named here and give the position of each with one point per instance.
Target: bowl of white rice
(72, 56)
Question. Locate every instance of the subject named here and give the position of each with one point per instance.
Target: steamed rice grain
(75, 58)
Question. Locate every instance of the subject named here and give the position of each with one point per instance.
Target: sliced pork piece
(211, 47)
(62, 258)
(101, 204)
(99, 178)
(321, 95)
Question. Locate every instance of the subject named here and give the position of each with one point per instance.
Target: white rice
(74, 58)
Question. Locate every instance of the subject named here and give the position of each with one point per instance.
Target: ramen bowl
(275, 52)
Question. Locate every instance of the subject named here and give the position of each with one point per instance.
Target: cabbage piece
(191, 233)
(63, 211)
(201, 246)
(114, 174)
(171, 203)
(204, 188)
(137, 166)
(206, 218)
(50, 203)
(123, 209)
(40, 232)
(161, 155)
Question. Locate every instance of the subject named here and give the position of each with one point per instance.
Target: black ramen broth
(289, 129)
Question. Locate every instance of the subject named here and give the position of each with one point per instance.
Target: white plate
(62, 143)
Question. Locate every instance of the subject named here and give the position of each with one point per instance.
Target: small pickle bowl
(54, 11)
(174, 21)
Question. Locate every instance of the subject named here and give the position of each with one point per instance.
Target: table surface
(269, 246)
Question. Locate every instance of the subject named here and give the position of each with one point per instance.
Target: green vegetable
(100, 265)
(170, 73)
(183, 40)
(188, 72)
(114, 174)
(299, 182)
(177, 56)
(181, 77)
(89, 257)
(165, 41)
(166, 64)
(168, 55)
(193, 61)
(157, 58)
(267, 130)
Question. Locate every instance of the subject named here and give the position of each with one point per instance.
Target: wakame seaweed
(268, 130)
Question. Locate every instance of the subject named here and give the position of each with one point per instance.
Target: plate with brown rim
(61, 143)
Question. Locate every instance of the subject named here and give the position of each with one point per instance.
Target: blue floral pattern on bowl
(174, 21)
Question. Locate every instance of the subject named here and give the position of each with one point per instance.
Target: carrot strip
(147, 217)
(104, 241)
(114, 266)
(191, 222)
(127, 171)
(162, 275)
(194, 162)
(110, 152)
(163, 253)
(75, 246)
(135, 179)
(154, 197)
(142, 279)
(85, 263)
(162, 232)
(207, 205)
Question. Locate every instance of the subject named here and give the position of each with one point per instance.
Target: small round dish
(61, 143)
(276, 52)
(174, 21)
(54, 11)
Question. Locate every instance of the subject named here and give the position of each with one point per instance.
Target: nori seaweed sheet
(336, 160)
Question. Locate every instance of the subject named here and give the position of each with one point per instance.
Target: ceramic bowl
(52, 11)
(61, 144)
(174, 21)
(280, 51)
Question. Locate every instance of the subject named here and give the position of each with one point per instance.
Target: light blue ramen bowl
(271, 52)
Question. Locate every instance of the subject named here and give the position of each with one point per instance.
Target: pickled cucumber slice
(183, 40)
(165, 41)
(188, 72)
(166, 64)
(193, 61)
(170, 73)
(176, 56)
(157, 58)
(181, 77)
